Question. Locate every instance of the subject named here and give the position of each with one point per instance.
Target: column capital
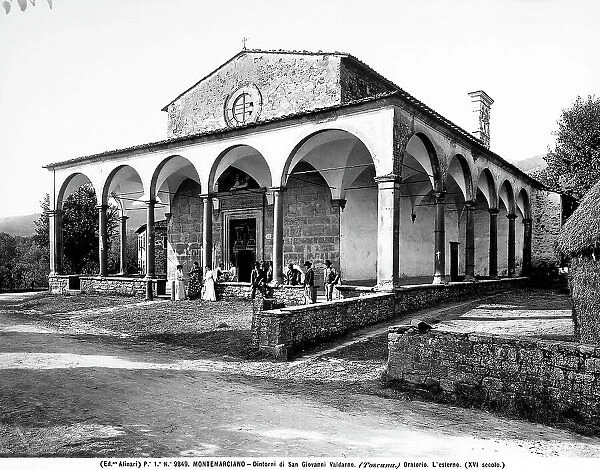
(494, 211)
(341, 203)
(511, 216)
(208, 195)
(470, 204)
(124, 217)
(150, 202)
(390, 178)
(102, 206)
(528, 221)
(439, 196)
(277, 189)
(54, 212)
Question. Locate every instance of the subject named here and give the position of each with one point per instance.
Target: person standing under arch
(310, 291)
(330, 278)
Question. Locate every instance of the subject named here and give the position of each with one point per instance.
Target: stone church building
(294, 156)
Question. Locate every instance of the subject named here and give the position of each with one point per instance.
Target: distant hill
(19, 225)
(531, 164)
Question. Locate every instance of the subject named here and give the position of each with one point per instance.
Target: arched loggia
(173, 200)
(238, 183)
(486, 213)
(122, 189)
(523, 237)
(422, 219)
(506, 229)
(81, 256)
(328, 209)
(459, 214)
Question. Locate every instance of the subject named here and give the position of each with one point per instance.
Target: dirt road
(103, 395)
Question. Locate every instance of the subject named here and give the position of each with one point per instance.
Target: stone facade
(547, 221)
(541, 380)
(357, 82)
(184, 230)
(311, 224)
(288, 84)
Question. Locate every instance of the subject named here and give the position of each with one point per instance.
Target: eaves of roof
(398, 91)
(188, 138)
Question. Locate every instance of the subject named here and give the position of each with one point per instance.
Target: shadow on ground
(222, 344)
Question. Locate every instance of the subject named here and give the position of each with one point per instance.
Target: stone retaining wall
(283, 295)
(547, 381)
(287, 330)
(129, 286)
(284, 331)
(58, 284)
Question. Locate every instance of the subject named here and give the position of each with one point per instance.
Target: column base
(469, 278)
(386, 286)
(439, 280)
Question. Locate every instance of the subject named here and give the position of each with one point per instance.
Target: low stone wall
(548, 381)
(58, 284)
(285, 331)
(128, 286)
(283, 295)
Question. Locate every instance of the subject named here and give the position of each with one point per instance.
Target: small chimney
(481, 116)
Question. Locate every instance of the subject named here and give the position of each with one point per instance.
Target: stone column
(123, 251)
(207, 227)
(278, 234)
(439, 264)
(150, 241)
(470, 241)
(511, 244)
(102, 239)
(388, 231)
(56, 244)
(493, 261)
(526, 247)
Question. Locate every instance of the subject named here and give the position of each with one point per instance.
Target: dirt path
(106, 395)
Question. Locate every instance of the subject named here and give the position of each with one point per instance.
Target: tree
(7, 4)
(8, 253)
(574, 164)
(80, 230)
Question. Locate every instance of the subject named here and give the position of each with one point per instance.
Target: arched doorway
(243, 221)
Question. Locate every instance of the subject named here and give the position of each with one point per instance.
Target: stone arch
(427, 159)
(506, 194)
(487, 185)
(245, 158)
(167, 177)
(338, 155)
(70, 184)
(124, 184)
(460, 171)
(329, 178)
(523, 204)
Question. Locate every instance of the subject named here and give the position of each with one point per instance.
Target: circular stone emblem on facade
(243, 106)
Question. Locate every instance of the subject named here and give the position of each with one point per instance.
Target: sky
(93, 75)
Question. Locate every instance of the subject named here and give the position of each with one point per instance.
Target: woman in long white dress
(208, 293)
(179, 283)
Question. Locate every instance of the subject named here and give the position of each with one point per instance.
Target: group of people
(199, 286)
(262, 275)
(330, 278)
